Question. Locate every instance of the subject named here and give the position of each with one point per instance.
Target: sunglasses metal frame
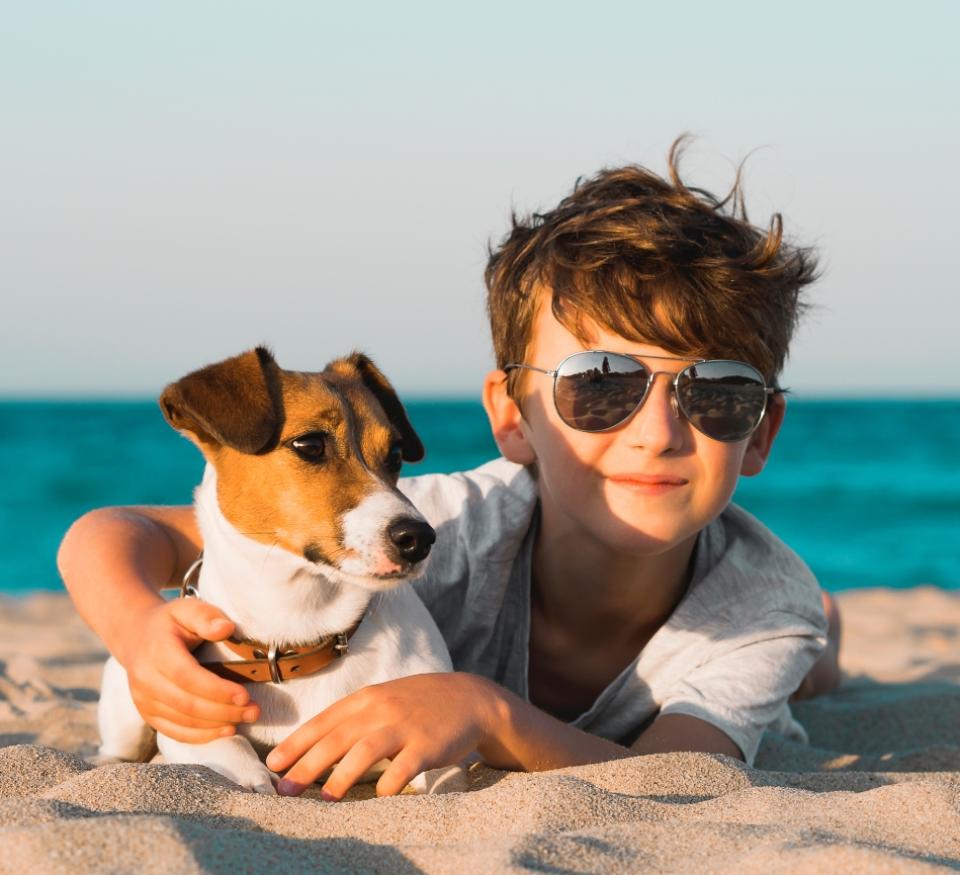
(651, 376)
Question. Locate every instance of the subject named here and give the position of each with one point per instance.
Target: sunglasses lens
(595, 391)
(723, 399)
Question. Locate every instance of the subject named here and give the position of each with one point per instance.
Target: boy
(599, 594)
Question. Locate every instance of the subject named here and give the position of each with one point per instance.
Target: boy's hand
(171, 691)
(420, 722)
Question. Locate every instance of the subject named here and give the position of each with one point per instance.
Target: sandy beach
(877, 790)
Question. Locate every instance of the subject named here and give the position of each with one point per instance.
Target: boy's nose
(657, 426)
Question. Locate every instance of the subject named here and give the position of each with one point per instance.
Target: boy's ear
(506, 420)
(761, 441)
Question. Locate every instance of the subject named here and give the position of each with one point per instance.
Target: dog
(309, 548)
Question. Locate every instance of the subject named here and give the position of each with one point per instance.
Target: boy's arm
(680, 732)
(113, 562)
(526, 738)
(432, 720)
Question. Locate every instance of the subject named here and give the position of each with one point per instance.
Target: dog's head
(309, 461)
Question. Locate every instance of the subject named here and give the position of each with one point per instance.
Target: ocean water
(867, 491)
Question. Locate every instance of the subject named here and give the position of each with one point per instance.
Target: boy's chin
(652, 524)
(631, 537)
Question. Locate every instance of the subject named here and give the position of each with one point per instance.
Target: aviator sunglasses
(597, 390)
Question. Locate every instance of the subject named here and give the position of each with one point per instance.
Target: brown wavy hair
(656, 261)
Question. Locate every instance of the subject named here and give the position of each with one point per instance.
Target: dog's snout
(412, 538)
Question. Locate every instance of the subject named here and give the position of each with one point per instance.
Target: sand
(878, 789)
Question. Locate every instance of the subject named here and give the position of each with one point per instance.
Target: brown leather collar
(264, 663)
(261, 663)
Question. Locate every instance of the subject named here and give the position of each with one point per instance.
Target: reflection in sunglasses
(725, 408)
(595, 390)
(593, 401)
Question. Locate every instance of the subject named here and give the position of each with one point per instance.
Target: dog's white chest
(396, 638)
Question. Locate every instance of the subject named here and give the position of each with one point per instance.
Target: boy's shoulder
(481, 518)
(747, 576)
(490, 506)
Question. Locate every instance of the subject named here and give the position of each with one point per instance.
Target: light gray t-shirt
(740, 641)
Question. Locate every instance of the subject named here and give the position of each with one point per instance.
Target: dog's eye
(394, 461)
(310, 447)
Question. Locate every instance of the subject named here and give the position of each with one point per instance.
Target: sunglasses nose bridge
(673, 377)
(637, 419)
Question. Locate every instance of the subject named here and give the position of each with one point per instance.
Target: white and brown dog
(308, 547)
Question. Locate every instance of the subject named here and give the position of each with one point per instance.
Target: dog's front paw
(232, 757)
(260, 780)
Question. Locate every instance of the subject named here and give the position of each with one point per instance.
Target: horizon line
(447, 396)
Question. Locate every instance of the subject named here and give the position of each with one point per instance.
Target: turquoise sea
(867, 491)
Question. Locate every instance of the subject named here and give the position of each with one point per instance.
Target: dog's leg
(232, 757)
(124, 736)
(449, 779)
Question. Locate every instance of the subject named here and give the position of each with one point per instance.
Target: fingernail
(290, 788)
(274, 762)
(218, 627)
(249, 715)
(227, 730)
(240, 699)
(328, 797)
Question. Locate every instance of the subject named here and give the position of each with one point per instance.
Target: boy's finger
(159, 708)
(162, 691)
(406, 765)
(314, 762)
(298, 742)
(188, 675)
(358, 761)
(201, 619)
(188, 735)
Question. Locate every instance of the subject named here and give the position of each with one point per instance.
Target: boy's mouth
(648, 484)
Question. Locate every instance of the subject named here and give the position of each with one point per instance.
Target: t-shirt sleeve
(742, 687)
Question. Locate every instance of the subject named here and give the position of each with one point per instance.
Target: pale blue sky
(180, 181)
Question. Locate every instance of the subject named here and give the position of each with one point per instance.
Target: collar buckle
(275, 674)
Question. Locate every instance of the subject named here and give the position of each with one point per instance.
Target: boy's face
(645, 487)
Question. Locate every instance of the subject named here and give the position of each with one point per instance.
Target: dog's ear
(235, 403)
(379, 385)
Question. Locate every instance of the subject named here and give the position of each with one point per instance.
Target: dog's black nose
(412, 538)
